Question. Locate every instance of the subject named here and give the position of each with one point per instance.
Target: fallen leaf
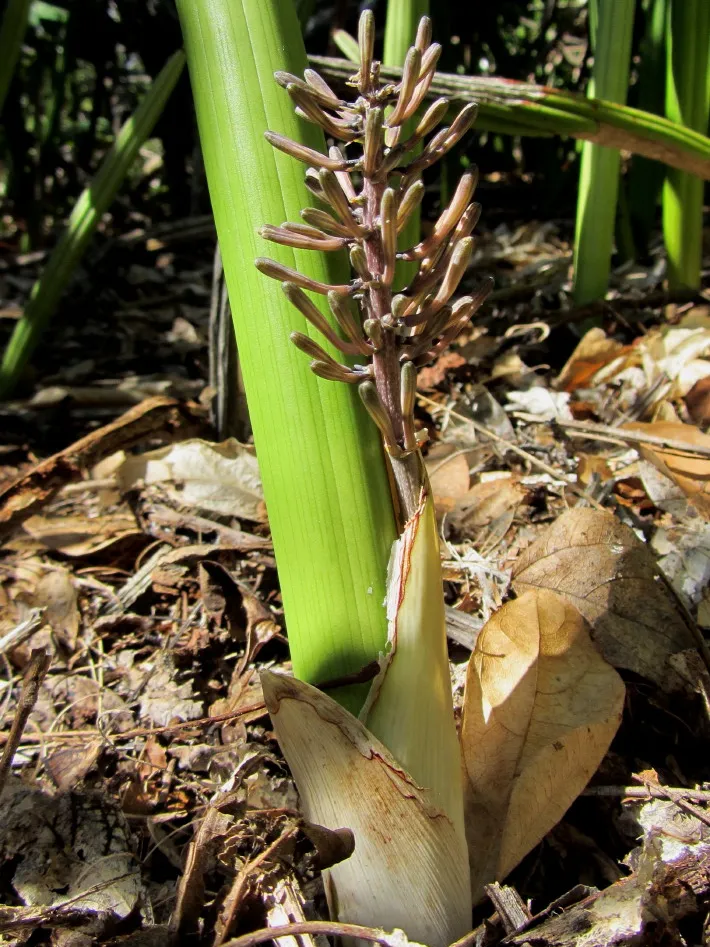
(697, 401)
(589, 465)
(434, 374)
(156, 417)
(222, 478)
(70, 766)
(488, 500)
(163, 698)
(69, 849)
(692, 474)
(57, 595)
(448, 473)
(601, 567)
(540, 404)
(594, 350)
(541, 707)
(82, 535)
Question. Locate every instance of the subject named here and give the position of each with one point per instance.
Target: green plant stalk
(403, 17)
(521, 108)
(687, 103)
(599, 172)
(12, 32)
(645, 178)
(322, 464)
(88, 211)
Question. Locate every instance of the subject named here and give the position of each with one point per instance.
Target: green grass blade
(347, 45)
(12, 32)
(322, 465)
(645, 178)
(687, 103)
(88, 210)
(403, 18)
(599, 172)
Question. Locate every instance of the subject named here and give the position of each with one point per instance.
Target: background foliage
(85, 65)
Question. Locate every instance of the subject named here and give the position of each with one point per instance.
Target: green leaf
(322, 464)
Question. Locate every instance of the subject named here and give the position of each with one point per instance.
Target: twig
(647, 791)
(510, 907)
(334, 928)
(38, 667)
(143, 731)
(675, 797)
(603, 432)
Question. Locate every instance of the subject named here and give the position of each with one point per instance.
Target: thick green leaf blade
(687, 102)
(323, 469)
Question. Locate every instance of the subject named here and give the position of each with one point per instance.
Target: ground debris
(146, 572)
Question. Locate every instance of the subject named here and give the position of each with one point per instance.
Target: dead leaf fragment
(448, 475)
(82, 535)
(692, 474)
(487, 501)
(601, 567)
(540, 709)
(57, 595)
(69, 849)
(221, 478)
(163, 698)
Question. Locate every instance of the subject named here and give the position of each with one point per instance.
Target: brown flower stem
(377, 302)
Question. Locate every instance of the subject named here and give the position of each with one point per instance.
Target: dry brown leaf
(448, 475)
(82, 535)
(155, 417)
(56, 594)
(220, 478)
(485, 502)
(604, 570)
(540, 710)
(692, 474)
(594, 350)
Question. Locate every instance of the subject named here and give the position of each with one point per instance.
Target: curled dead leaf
(601, 567)
(221, 478)
(540, 709)
(692, 474)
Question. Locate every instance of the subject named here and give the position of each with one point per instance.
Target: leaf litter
(137, 553)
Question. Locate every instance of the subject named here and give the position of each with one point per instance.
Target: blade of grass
(687, 102)
(599, 171)
(645, 178)
(12, 32)
(347, 45)
(88, 210)
(322, 465)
